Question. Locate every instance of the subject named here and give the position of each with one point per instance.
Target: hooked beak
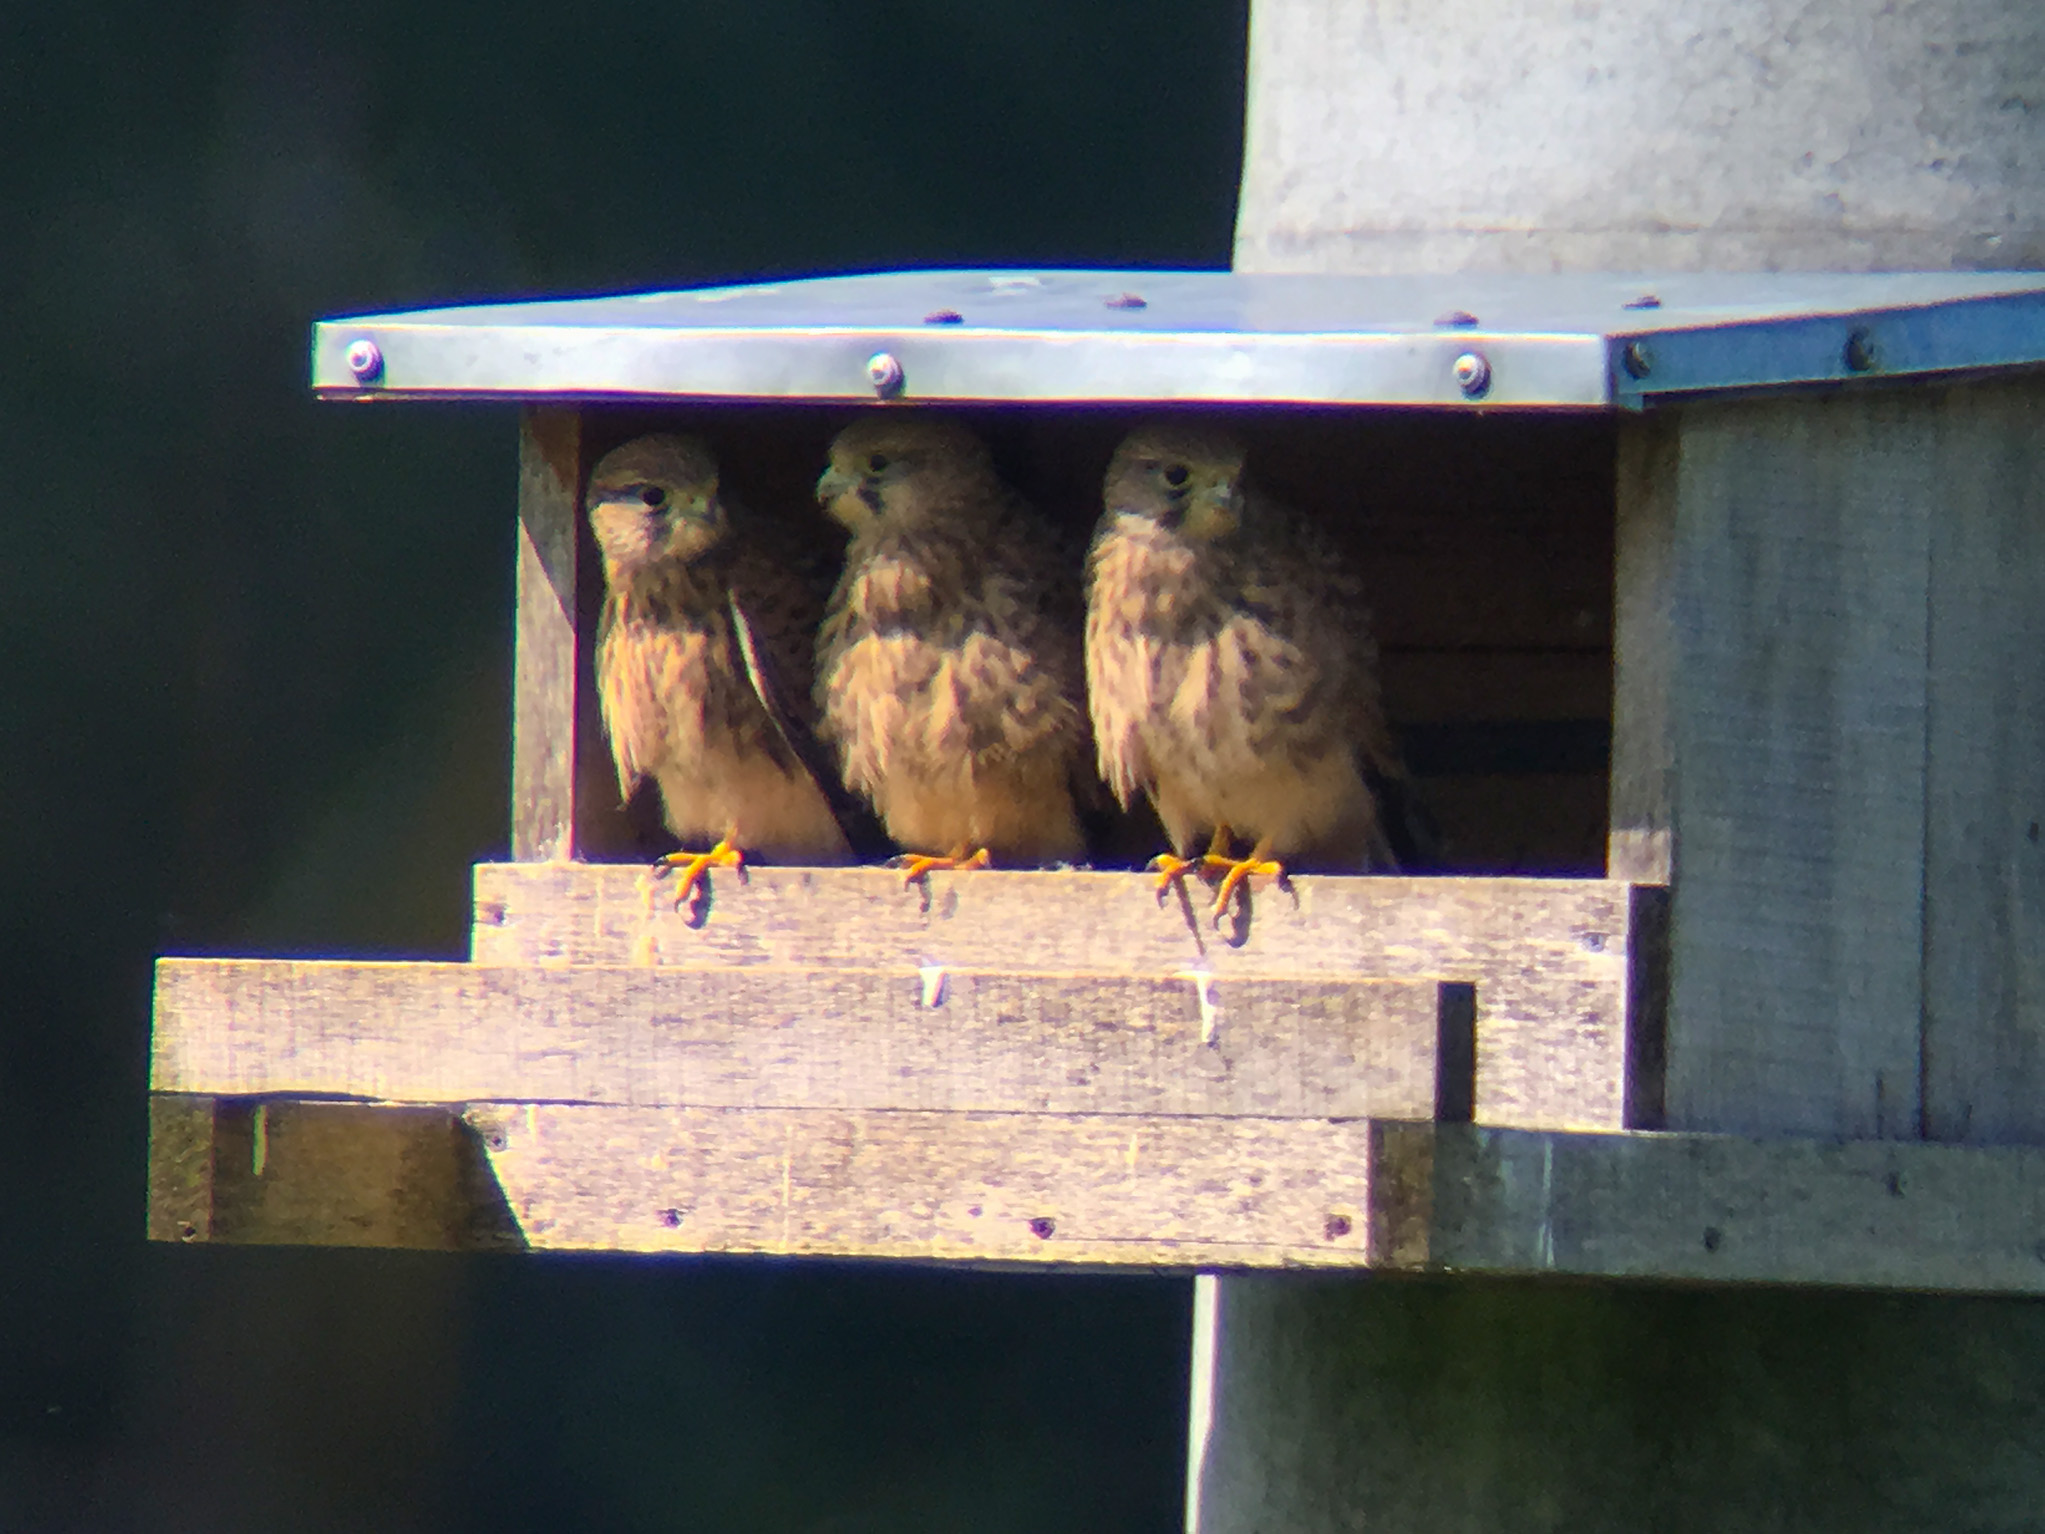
(835, 482)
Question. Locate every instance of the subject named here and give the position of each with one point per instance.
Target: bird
(703, 657)
(949, 671)
(1231, 673)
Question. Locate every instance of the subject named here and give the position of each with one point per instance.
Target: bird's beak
(698, 508)
(834, 483)
(1221, 506)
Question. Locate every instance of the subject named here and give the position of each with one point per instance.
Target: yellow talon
(1258, 865)
(694, 865)
(917, 865)
(1170, 870)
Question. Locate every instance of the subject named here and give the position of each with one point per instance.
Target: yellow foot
(917, 866)
(696, 864)
(1171, 869)
(1255, 866)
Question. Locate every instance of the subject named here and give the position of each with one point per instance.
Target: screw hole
(1712, 1238)
(671, 1218)
(1336, 1227)
(1042, 1228)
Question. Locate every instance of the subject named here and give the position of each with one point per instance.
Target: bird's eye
(1175, 475)
(877, 464)
(653, 495)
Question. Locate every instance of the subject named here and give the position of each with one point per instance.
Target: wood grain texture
(319, 1174)
(1797, 616)
(1548, 956)
(1984, 944)
(1124, 1190)
(773, 1036)
(1027, 1188)
(544, 670)
(1640, 839)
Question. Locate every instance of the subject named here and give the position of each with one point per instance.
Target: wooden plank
(1027, 1188)
(1984, 945)
(1797, 718)
(841, 1038)
(1639, 843)
(1251, 1193)
(544, 665)
(1722, 1209)
(1126, 1190)
(319, 1174)
(1548, 956)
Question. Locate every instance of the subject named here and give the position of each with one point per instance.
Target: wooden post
(544, 681)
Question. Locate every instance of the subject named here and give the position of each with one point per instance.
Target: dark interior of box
(1485, 541)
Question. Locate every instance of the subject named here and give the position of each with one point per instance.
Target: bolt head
(1637, 359)
(1473, 374)
(365, 360)
(885, 370)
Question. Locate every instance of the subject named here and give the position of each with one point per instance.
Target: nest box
(1709, 609)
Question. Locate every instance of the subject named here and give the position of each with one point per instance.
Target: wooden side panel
(1033, 1188)
(1643, 754)
(842, 1038)
(319, 1174)
(544, 669)
(1984, 991)
(1548, 956)
(1797, 636)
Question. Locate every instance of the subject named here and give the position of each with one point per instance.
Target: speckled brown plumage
(1231, 674)
(948, 666)
(678, 704)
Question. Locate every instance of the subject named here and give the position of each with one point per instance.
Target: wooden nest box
(1710, 617)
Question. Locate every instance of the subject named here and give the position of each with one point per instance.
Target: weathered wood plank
(1720, 1209)
(1131, 1190)
(544, 663)
(1548, 956)
(1033, 1188)
(1252, 1193)
(842, 1038)
(1984, 945)
(1797, 718)
(319, 1174)
(1639, 842)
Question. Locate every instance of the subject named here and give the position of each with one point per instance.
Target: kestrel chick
(1230, 670)
(703, 603)
(948, 667)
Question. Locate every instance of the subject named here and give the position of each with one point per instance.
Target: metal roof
(1553, 341)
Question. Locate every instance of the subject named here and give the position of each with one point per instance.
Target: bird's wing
(792, 727)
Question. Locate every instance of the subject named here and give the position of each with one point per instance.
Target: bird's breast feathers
(1191, 666)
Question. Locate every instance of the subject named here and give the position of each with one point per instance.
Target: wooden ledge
(1133, 1191)
(1568, 972)
(772, 1036)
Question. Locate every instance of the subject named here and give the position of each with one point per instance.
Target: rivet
(671, 1218)
(1126, 301)
(1473, 374)
(886, 373)
(1042, 1228)
(1637, 358)
(365, 360)
(1456, 319)
(1336, 1226)
(1861, 354)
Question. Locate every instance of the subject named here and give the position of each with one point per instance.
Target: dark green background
(255, 660)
